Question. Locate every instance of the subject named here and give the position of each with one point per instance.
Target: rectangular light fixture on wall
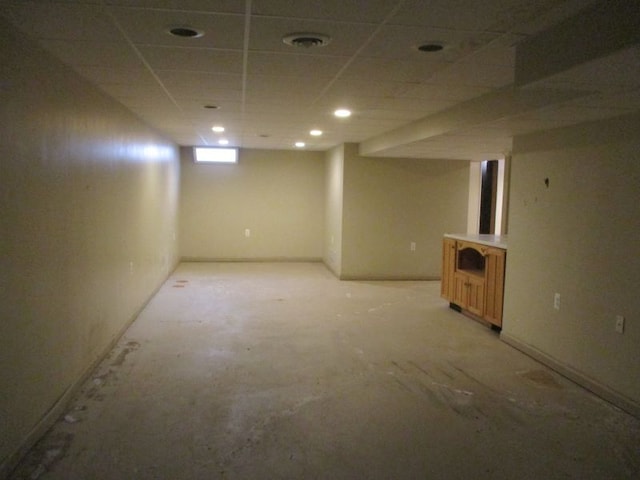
(215, 155)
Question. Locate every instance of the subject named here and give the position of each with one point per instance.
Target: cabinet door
(475, 295)
(460, 289)
(448, 268)
(494, 279)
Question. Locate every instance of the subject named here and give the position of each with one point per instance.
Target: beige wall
(579, 238)
(88, 202)
(333, 209)
(389, 203)
(278, 195)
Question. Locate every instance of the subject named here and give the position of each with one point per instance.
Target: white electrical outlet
(247, 232)
(413, 246)
(556, 301)
(619, 324)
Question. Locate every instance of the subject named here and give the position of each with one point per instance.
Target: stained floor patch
(541, 377)
(44, 456)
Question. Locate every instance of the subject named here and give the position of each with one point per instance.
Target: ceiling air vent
(306, 40)
(431, 47)
(185, 32)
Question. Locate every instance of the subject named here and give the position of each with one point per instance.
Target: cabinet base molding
(616, 398)
(455, 307)
(470, 315)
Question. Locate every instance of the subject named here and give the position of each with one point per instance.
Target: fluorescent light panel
(215, 155)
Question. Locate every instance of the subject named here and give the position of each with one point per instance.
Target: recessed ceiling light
(307, 40)
(431, 47)
(223, 141)
(342, 113)
(185, 32)
(315, 133)
(217, 128)
(300, 144)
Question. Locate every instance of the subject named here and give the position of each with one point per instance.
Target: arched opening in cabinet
(471, 261)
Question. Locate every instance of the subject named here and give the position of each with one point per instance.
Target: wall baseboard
(619, 400)
(9, 464)
(251, 259)
(367, 277)
(399, 278)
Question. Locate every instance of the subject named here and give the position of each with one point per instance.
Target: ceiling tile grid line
(145, 63)
(391, 13)
(269, 93)
(245, 66)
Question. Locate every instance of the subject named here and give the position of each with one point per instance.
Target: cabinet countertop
(498, 241)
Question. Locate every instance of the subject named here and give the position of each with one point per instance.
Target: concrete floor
(269, 371)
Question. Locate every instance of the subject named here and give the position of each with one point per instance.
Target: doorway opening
(488, 196)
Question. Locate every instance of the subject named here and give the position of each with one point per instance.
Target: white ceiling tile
(374, 11)
(63, 21)
(402, 42)
(279, 64)
(204, 6)
(391, 70)
(474, 74)
(135, 90)
(187, 84)
(330, 103)
(459, 15)
(352, 86)
(150, 27)
(101, 75)
(196, 105)
(493, 55)
(297, 84)
(371, 66)
(345, 38)
(94, 54)
(193, 59)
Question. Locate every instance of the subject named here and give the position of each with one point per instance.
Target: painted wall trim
(58, 408)
(619, 400)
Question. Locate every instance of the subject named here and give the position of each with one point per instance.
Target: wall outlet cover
(556, 301)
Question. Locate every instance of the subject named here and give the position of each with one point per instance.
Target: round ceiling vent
(306, 40)
(431, 47)
(185, 32)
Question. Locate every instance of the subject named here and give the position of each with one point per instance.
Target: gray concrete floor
(273, 371)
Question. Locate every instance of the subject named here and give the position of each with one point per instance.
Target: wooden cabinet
(469, 292)
(473, 278)
(448, 267)
(494, 279)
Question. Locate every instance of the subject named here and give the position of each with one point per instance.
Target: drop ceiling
(269, 95)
